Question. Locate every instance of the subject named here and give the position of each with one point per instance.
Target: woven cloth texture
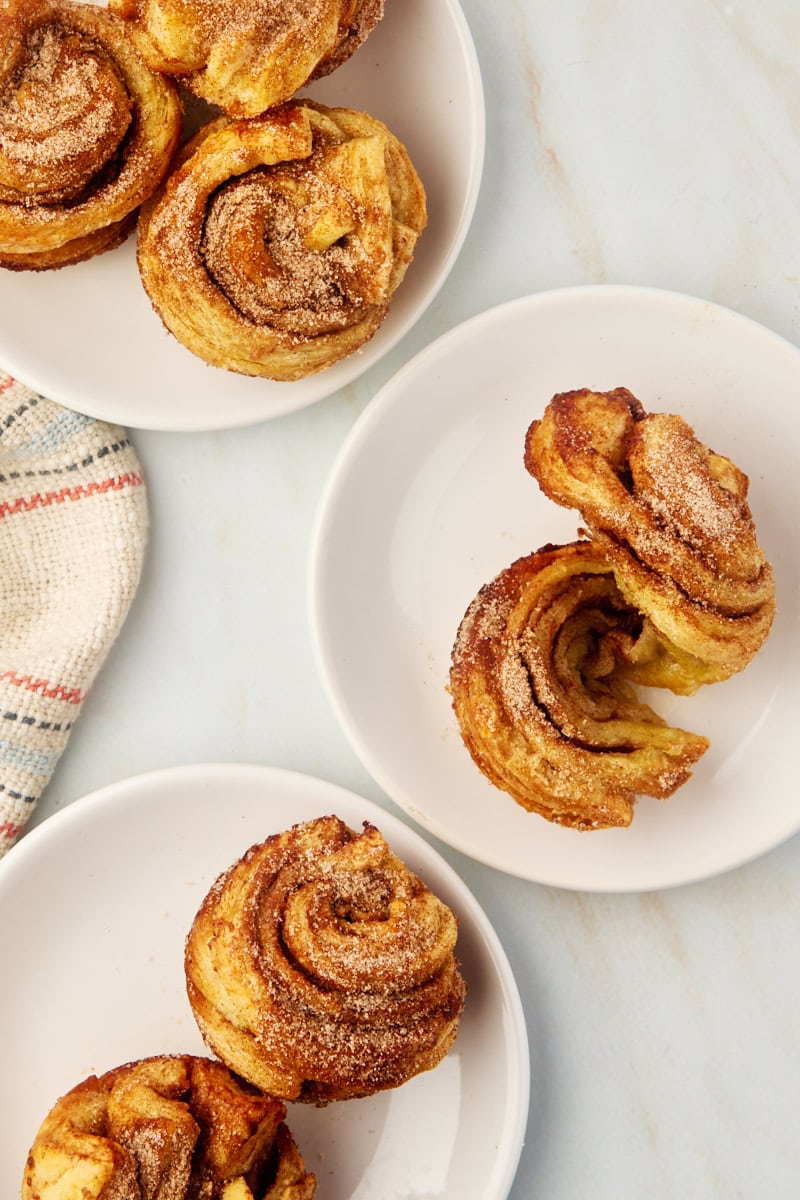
(73, 530)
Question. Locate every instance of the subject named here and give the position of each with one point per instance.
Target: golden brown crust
(275, 246)
(247, 56)
(540, 686)
(670, 516)
(320, 968)
(87, 132)
(173, 1127)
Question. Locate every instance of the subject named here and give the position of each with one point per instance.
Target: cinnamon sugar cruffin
(276, 244)
(179, 1127)
(670, 589)
(321, 968)
(87, 132)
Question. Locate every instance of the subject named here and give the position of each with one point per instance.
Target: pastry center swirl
(282, 247)
(373, 931)
(64, 112)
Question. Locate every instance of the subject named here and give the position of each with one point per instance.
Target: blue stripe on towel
(65, 426)
(35, 762)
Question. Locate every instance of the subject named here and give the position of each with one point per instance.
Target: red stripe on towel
(53, 691)
(43, 500)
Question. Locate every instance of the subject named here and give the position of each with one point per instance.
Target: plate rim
(383, 402)
(286, 400)
(122, 793)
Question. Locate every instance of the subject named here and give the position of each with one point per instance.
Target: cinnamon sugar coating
(541, 686)
(246, 56)
(320, 968)
(174, 1127)
(275, 246)
(87, 132)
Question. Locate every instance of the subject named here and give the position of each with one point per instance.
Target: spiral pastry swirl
(320, 968)
(174, 1127)
(541, 678)
(87, 132)
(275, 247)
(246, 56)
(671, 517)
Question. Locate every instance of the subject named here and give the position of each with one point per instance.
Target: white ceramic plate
(87, 336)
(429, 499)
(94, 907)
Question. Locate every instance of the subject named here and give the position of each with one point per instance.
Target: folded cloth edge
(73, 534)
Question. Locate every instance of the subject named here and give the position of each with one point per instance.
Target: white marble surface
(633, 142)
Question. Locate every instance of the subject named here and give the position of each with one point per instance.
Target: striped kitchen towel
(73, 528)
